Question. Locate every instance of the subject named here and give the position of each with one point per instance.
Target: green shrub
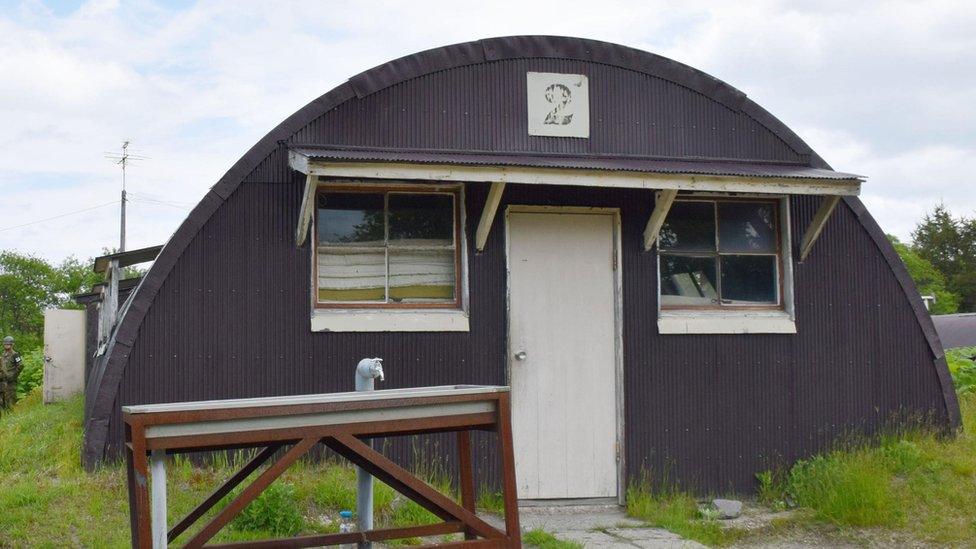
(33, 373)
(275, 511)
(962, 366)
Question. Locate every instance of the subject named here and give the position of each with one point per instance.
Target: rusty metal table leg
(508, 470)
(139, 482)
(466, 475)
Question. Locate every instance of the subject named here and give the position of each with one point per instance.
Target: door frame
(617, 268)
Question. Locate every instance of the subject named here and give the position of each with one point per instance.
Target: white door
(64, 353)
(562, 353)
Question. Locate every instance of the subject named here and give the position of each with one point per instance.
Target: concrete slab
(596, 526)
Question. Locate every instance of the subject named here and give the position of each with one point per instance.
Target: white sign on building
(559, 104)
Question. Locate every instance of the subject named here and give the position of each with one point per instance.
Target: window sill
(385, 320)
(726, 323)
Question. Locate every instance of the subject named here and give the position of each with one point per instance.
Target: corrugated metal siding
(232, 321)
(482, 107)
(231, 318)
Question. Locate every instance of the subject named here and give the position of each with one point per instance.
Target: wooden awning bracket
(662, 205)
(817, 224)
(305, 212)
(488, 214)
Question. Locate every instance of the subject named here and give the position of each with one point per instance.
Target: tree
(949, 244)
(928, 279)
(29, 284)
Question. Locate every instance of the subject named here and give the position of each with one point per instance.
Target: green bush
(962, 366)
(275, 511)
(33, 373)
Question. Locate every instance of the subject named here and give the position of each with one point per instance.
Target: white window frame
(400, 319)
(733, 320)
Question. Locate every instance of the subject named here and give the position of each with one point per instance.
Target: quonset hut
(667, 276)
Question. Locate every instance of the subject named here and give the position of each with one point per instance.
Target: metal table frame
(295, 425)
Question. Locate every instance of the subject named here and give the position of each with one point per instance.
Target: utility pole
(123, 160)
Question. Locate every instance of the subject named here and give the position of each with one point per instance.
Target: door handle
(520, 355)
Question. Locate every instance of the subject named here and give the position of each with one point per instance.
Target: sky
(883, 89)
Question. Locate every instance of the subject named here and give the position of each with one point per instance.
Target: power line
(146, 202)
(60, 216)
(153, 198)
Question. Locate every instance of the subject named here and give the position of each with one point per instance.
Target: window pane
(351, 218)
(688, 280)
(421, 219)
(422, 275)
(352, 275)
(746, 227)
(749, 279)
(690, 226)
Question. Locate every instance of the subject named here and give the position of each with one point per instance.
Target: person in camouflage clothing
(10, 366)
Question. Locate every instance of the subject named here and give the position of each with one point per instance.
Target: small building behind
(957, 330)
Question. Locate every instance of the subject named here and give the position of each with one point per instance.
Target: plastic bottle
(346, 525)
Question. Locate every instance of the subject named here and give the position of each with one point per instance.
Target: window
(387, 248)
(721, 254)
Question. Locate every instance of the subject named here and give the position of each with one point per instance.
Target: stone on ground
(728, 508)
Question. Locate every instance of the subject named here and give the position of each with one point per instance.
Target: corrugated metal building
(670, 279)
(958, 330)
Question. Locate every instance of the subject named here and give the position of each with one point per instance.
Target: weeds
(490, 500)
(275, 511)
(962, 366)
(846, 487)
(673, 509)
(913, 480)
(544, 540)
(772, 490)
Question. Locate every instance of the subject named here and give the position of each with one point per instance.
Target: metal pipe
(157, 466)
(367, 370)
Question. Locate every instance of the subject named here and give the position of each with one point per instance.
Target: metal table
(295, 424)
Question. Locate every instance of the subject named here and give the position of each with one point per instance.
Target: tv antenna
(123, 159)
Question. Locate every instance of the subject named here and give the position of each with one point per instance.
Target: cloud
(880, 89)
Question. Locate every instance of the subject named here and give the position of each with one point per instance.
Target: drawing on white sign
(559, 104)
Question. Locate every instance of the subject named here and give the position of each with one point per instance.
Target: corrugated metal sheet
(224, 311)
(605, 163)
(483, 108)
(956, 330)
(231, 321)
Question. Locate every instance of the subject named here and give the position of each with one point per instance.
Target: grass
(490, 500)
(48, 500)
(544, 540)
(915, 482)
(668, 507)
